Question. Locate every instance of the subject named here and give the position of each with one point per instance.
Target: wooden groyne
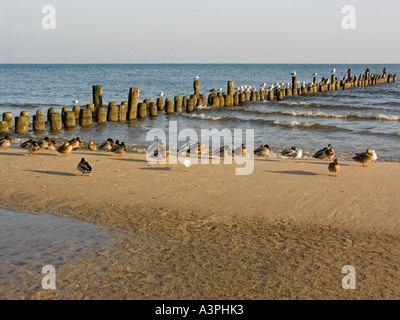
(133, 109)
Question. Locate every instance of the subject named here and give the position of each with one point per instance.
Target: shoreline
(283, 232)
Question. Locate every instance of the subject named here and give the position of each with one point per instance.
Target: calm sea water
(351, 120)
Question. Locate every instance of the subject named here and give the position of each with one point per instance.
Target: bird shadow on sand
(130, 160)
(295, 172)
(55, 173)
(326, 163)
(156, 168)
(5, 153)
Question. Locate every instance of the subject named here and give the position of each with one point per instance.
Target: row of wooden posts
(133, 109)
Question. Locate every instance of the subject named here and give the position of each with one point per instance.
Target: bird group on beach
(159, 149)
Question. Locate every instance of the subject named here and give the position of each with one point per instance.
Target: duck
(44, 143)
(6, 142)
(92, 146)
(263, 151)
(26, 144)
(223, 151)
(107, 145)
(325, 153)
(75, 143)
(365, 157)
(288, 152)
(334, 167)
(292, 153)
(33, 149)
(85, 167)
(52, 145)
(241, 151)
(119, 148)
(65, 149)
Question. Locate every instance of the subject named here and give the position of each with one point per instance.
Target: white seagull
(161, 94)
(75, 101)
(196, 78)
(333, 71)
(294, 73)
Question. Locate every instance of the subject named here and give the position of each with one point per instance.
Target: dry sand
(283, 232)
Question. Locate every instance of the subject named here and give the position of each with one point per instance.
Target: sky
(202, 31)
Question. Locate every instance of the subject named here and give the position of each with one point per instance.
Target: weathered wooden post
(279, 96)
(184, 101)
(147, 102)
(101, 115)
(215, 101)
(288, 91)
(4, 127)
(77, 111)
(230, 88)
(270, 96)
(86, 118)
(64, 110)
(210, 98)
(133, 101)
(253, 96)
(92, 108)
(169, 107)
(55, 121)
(203, 100)
(236, 98)
(97, 95)
(295, 86)
(122, 111)
(69, 119)
(142, 110)
(153, 110)
(38, 122)
(24, 114)
(220, 96)
(8, 117)
(190, 106)
(178, 104)
(50, 111)
(196, 87)
(160, 104)
(112, 112)
(242, 99)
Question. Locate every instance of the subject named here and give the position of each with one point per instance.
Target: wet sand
(283, 232)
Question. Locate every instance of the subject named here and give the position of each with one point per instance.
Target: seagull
(315, 74)
(196, 78)
(333, 71)
(161, 94)
(220, 90)
(75, 101)
(263, 85)
(294, 73)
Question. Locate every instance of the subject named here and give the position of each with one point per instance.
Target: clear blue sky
(202, 31)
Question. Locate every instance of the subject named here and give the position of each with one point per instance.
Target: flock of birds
(158, 148)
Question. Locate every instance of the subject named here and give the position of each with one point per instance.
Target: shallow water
(350, 120)
(33, 241)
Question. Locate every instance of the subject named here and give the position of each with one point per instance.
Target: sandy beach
(283, 232)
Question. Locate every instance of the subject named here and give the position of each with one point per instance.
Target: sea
(350, 120)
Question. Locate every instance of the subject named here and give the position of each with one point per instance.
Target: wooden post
(236, 98)
(77, 111)
(203, 100)
(288, 91)
(185, 101)
(97, 95)
(85, 118)
(178, 104)
(24, 114)
(55, 121)
(210, 98)
(230, 89)
(220, 96)
(279, 96)
(142, 110)
(69, 119)
(39, 112)
(112, 112)
(270, 95)
(133, 101)
(153, 110)
(38, 122)
(7, 116)
(196, 87)
(64, 110)
(160, 104)
(190, 106)
(147, 102)
(122, 112)
(214, 101)
(295, 86)
(101, 115)
(242, 99)
(4, 127)
(169, 108)
(91, 107)
(50, 111)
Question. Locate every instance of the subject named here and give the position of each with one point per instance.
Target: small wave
(328, 106)
(310, 114)
(202, 116)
